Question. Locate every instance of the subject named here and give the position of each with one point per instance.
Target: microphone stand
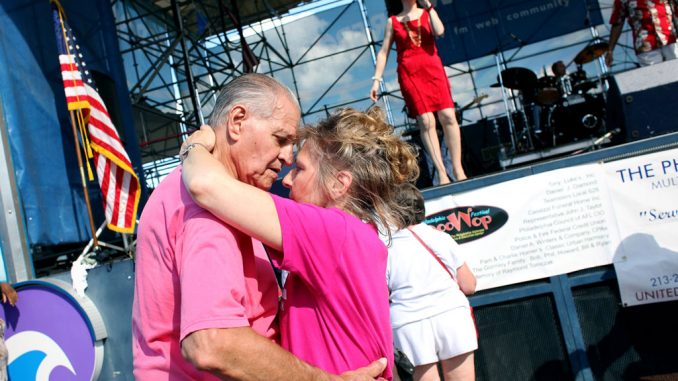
(601, 68)
(498, 56)
(500, 62)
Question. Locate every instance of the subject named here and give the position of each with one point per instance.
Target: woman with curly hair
(334, 312)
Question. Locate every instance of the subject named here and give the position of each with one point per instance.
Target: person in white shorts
(430, 314)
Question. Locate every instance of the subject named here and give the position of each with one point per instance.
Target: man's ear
(341, 185)
(236, 117)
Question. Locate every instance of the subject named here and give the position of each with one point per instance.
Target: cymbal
(591, 52)
(518, 78)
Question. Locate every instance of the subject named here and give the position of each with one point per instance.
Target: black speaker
(481, 143)
(644, 102)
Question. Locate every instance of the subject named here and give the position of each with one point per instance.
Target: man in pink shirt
(205, 295)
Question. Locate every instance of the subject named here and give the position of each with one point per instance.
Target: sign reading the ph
(648, 170)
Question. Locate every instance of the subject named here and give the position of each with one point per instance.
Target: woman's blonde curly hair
(364, 144)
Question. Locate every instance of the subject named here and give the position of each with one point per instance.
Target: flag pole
(84, 183)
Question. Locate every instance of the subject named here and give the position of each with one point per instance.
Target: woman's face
(302, 181)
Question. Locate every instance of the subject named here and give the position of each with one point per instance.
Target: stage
(572, 148)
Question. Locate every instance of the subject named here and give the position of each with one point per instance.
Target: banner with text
(533, 227)
(644, 191)
(476, 28)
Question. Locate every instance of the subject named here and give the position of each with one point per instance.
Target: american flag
(119, 184)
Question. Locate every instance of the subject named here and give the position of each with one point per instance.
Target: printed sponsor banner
(533, 227)
(644, 191)
(476, 28)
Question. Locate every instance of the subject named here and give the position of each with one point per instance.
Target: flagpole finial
(57, 3)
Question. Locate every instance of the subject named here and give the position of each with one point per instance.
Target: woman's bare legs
(426, 372)
(459, 368)
(452, 136)
(429, 138)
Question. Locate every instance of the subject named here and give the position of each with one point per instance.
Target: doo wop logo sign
(49, 336)
(468, 223)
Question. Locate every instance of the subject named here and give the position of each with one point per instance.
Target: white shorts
(665, 53)
(440, 337)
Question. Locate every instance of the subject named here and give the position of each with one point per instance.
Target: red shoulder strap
(432, 253)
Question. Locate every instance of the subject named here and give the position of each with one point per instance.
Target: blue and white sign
(476, 28)
(646, 190)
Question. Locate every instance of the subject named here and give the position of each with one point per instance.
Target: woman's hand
(204, 136)
(374, 91)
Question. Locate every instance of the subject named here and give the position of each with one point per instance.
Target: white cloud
(314, 77)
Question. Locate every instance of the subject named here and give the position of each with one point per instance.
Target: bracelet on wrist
(379, 79)
(184, 152)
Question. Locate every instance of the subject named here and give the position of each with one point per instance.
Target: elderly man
(206, 296)
(654, 35)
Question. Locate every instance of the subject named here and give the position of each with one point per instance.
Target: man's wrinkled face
(267, 144)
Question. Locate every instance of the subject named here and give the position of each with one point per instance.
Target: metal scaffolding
(176, 65)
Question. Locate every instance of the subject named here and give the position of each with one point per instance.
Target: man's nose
(287, 154)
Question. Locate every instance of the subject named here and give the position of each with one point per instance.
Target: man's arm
(615, 32)
(242, 354)
(619, 13)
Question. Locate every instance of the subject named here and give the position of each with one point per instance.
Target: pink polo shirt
(335, 312)
(193, 272)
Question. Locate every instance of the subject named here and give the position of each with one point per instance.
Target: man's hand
(609, 58)
(8, 293)
(368, 373)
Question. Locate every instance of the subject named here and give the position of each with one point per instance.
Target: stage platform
(520, 166)
(569, 148)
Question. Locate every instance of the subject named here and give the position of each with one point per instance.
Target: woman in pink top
(334, 312)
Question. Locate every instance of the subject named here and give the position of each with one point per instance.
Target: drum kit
(554, 110)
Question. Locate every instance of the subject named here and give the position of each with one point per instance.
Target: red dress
(422, 78)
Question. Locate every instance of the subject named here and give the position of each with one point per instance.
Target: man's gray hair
(258, 92)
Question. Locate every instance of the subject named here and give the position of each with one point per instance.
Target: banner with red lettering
(646, 190)
(533, 227)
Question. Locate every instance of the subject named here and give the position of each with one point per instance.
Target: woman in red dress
(422, 79)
